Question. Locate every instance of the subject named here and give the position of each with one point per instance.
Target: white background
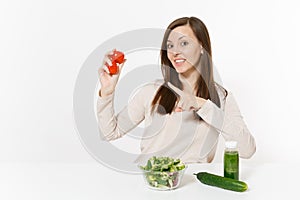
(43, 45)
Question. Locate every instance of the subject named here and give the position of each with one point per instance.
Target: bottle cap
(231, 144)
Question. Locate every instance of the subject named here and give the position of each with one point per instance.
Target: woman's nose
(175, 54)
(176, 51)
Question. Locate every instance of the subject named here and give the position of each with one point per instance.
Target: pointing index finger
(175, 89)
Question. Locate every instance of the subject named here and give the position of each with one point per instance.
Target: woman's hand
(187, 101)
(108, 81)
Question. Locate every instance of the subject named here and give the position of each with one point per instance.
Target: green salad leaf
(163, 172)
(163, 164)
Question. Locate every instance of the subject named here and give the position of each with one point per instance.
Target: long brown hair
(206, 88)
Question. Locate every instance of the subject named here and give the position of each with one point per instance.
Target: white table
(94, 181)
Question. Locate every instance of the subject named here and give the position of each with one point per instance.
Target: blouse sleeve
(113, 126)
(230, 123)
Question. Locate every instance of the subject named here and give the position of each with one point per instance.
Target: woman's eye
(184, 43)
(169, 46)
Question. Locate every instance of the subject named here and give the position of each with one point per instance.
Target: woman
(186, 112)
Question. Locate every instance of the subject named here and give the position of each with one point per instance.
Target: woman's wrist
(200, 102)
(105, 93)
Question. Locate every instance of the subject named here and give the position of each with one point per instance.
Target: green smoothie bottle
(231, 160)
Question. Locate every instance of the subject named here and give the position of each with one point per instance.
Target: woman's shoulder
(225, 95)
(149, 88)
(152, 85)
(222, 92)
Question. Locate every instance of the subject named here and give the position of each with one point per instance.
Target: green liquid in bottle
(231, 164)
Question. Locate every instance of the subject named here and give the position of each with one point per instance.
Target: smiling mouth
(179, 60)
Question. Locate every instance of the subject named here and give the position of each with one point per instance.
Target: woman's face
(183, 49)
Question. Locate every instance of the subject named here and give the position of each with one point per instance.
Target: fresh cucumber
(221, 182)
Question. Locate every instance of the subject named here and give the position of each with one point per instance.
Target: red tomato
(116, 58)
(113, 69)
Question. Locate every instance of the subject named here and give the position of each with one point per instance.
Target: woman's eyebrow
(181, 37)
(177, 39)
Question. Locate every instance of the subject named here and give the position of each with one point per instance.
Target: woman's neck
(189, 80)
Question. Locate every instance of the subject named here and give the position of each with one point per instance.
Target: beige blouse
(179, 134)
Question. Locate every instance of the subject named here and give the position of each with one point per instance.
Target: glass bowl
(163, 180)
